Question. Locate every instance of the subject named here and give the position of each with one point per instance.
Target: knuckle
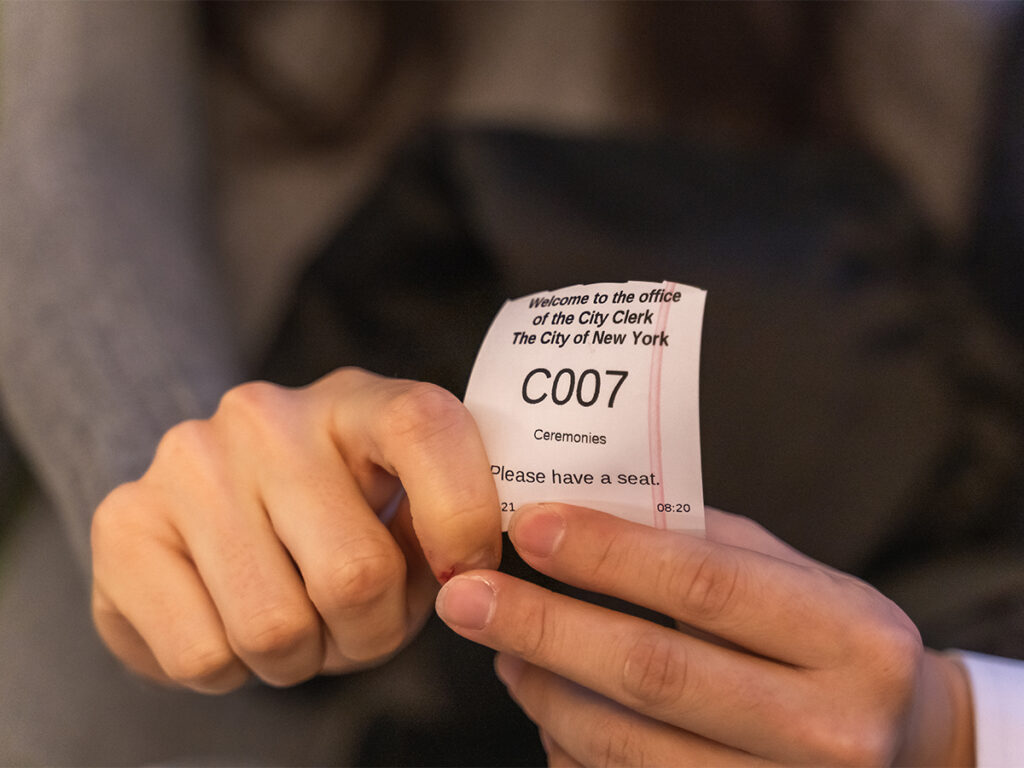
(870, 734)
(535, 638)
(897, 653)
(251, 397)
(900, 641)
(190, 442)
(112, 518)
(616, 742)
(119, 523)
(359, 579)
(348, 375)
(887, 637)
(276, 632)
(421, 411)
(705, 585)
(610, 561)
(257, 404)
(902, 650)
(856, 742)
(200, 664)
(655, 670)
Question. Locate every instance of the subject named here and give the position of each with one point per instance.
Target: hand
(787, 660)
(252, 543)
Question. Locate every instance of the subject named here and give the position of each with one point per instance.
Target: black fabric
(404, 289)
(998, 252)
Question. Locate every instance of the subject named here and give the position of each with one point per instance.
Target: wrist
(941, 724)
(962, 748)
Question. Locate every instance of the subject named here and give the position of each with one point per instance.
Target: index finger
(423, 435)
(792, 611)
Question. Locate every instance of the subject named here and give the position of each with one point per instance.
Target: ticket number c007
(566, 386)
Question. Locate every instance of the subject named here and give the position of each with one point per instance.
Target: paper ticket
(588, 395)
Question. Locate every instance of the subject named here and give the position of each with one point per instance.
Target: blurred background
(193, 195)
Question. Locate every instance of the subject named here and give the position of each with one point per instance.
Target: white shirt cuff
(997, 688)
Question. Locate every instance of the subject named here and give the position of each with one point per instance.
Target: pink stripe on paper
(654, 415)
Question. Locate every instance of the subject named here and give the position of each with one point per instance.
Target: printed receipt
(588, 395)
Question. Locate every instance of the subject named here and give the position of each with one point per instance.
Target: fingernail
(466, 601)
(537, 530)
(509, 669)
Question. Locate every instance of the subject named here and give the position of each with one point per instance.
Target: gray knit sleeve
(112, 323)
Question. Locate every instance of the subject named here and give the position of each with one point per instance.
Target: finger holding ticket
(589, 395)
